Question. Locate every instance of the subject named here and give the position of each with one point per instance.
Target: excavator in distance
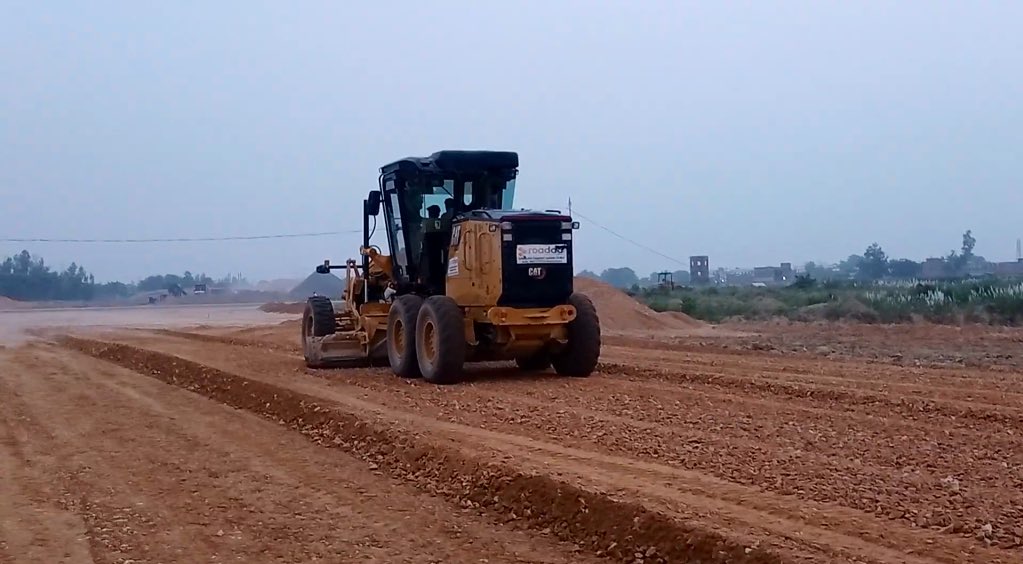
(467, 278)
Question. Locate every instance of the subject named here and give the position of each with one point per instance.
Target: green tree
(968, 243)
(875, 263)
(23, 277)
(850, 266)
(804, 282)
(623, 277)
(904, 268)
(960, 264)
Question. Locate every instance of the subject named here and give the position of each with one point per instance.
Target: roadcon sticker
(541, 254)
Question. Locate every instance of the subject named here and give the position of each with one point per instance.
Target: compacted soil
(210, 444)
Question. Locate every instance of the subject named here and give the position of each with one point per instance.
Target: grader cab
(467, 278)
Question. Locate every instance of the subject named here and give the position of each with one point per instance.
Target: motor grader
(467, 278)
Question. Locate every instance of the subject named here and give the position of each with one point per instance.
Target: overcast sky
(755, 133)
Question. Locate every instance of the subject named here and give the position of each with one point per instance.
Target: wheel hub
(398, 339)
(429, 341)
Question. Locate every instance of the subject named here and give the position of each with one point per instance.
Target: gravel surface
(171, 443)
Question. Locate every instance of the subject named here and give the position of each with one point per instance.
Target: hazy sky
(753, 132)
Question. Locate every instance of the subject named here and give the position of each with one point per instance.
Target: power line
(575, 211)
(293, 235)
(176, 239)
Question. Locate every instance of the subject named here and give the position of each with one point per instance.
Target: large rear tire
(440, 340)
(580, 355)
(401, 335)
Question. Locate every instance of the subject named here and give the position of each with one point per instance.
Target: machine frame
(464, 272)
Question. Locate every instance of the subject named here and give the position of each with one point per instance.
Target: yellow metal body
(474, 282)
(368, 320)
(474, 264)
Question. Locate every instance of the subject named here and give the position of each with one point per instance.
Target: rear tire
(440, 340)
(580, 355)
(538, 362)
(401, 335)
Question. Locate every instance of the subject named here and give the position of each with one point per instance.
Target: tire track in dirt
(228, 340)
(798, 385)
(32, 526)
(109, 532)
(681, 394)
(847, 440)
(961, 413)
(660, 385)
(888, 492)
(856, 369)
(838, 546)
(921, 474)
(618, 529)
(188, 466)
(913, 382)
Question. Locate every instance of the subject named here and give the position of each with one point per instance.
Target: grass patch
(998, 302)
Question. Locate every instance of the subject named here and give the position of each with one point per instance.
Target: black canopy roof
(455, 161)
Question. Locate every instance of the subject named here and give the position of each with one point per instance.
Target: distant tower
(699, 269)
(1019, 251)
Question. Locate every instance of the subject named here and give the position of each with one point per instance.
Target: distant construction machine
(468, 278)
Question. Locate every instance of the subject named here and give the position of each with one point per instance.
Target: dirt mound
(619, 312)
(318, 284)
(680, 318)
(283, 307)
(8, 303)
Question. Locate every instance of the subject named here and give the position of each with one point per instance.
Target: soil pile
(283, 307)
(8, 303)
(619, 312)
(282, 285)
(320, 285)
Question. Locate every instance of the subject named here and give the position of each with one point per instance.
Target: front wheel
(317, 321)
(440, 340)
(580, 355)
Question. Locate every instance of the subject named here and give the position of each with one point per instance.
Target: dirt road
(16, 324)
(188, 445)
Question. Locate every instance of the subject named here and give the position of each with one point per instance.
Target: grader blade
(336, 351)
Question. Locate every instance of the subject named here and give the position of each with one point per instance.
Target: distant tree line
(625, 277)
(23, 277)
(27, 278)
(873, 265)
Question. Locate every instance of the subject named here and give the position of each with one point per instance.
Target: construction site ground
(201, 437)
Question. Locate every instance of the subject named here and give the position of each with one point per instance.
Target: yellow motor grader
(468, 278)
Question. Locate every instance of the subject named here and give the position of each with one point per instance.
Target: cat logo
(537, 272)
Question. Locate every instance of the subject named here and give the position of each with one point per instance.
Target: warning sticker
(453, 266)
(541, 254)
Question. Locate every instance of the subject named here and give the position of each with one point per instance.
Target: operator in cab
(449, 213)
